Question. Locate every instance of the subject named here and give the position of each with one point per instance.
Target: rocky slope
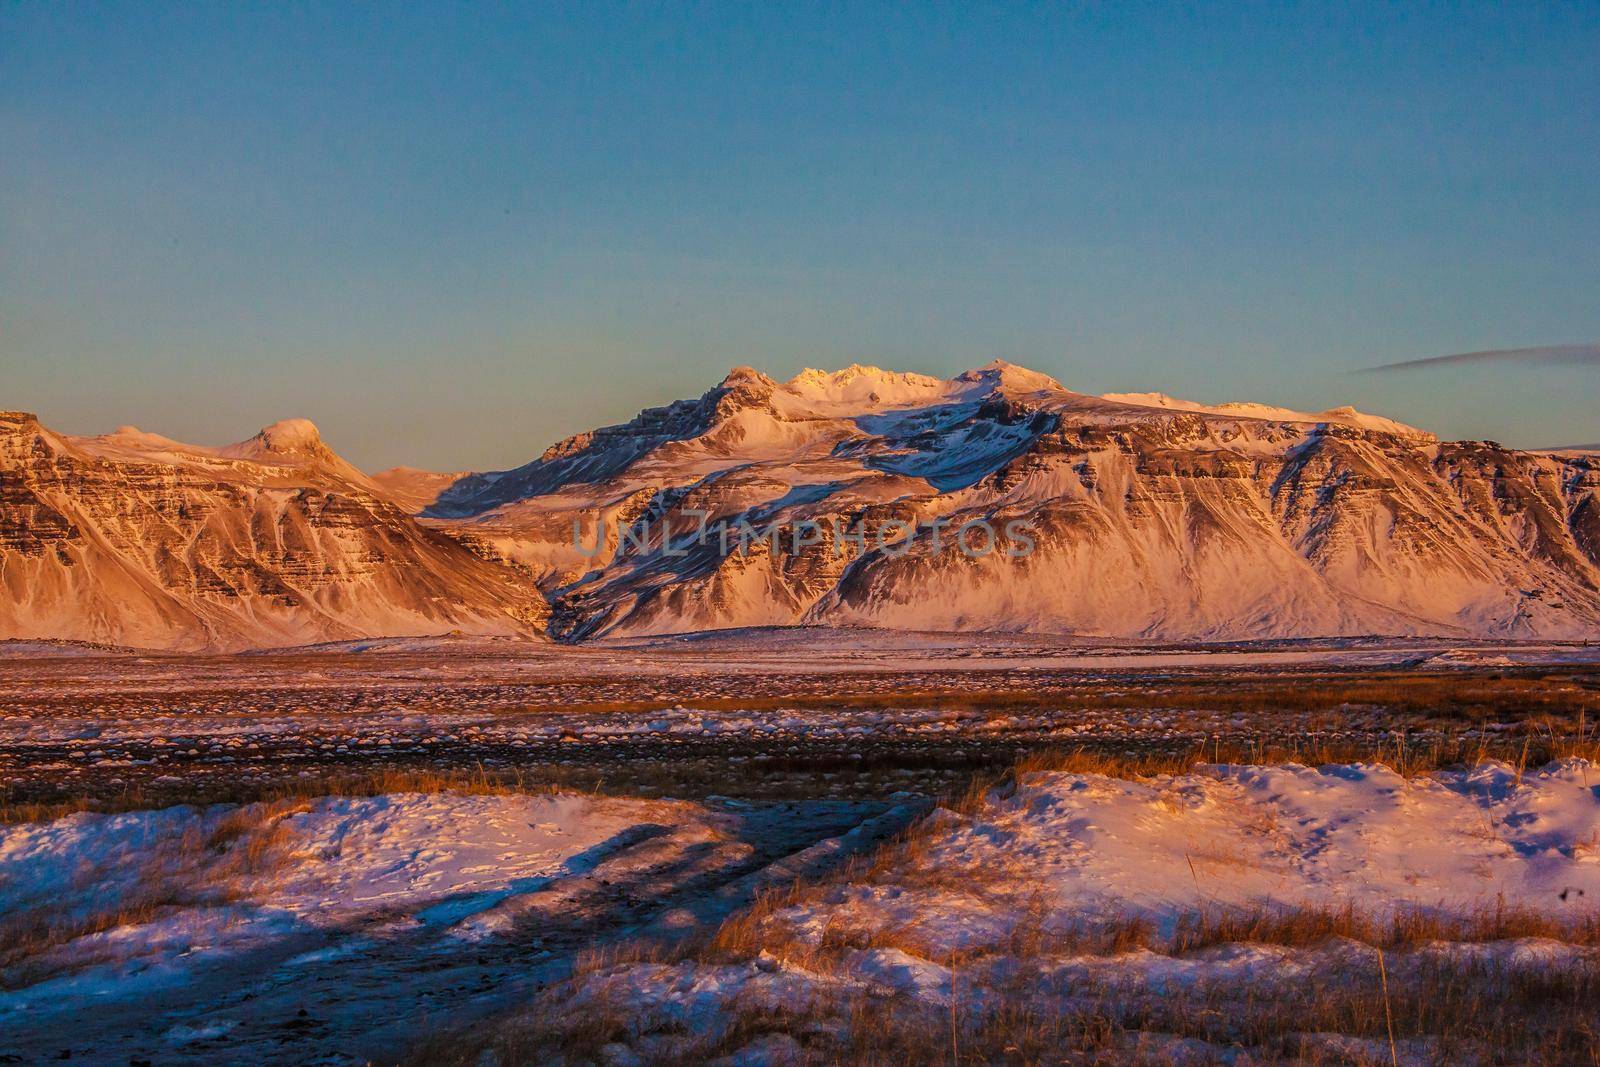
(136, 539)
(1147, 516)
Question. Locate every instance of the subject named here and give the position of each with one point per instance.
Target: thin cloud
(1543, 355)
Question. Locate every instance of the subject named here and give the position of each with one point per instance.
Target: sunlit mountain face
(995, 500)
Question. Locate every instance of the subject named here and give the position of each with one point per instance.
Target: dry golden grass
(1032, 931)
(1463, 693)
(1537, 744)
(478, 781)
(1441, 1010)
(1404, 928)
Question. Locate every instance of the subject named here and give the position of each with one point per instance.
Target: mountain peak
(1000, 374)
(293, 442)
(131, 436)
(743, 375)
(854, 370)
(859, 383)
(18, 425)
(290, 435)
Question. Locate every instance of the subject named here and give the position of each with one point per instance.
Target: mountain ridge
(1165, 518)
(1152, 517)
(134, 539)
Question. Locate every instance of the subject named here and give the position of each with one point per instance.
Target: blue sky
(452, 234)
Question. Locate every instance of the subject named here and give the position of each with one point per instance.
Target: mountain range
(1147, 517)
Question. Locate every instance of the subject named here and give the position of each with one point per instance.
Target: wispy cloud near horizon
(1550, 355)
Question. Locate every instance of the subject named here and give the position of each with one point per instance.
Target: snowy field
(1233, 914)
(800, 846)
(345, 929)
(337, 929)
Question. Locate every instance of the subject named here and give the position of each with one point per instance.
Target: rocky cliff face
(135, 539)
(1147, 516)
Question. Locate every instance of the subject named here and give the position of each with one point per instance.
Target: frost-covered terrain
(1091, 848)
(1169, 908)
(1231, 914)
(341, 928)
(330, 853)
(1141, 517)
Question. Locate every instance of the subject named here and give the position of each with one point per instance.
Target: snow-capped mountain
(136, 539)
(1151, 517)
(1143, 516)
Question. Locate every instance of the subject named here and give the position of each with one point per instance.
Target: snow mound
(1265, 838)
(133, 437)
(348, 853)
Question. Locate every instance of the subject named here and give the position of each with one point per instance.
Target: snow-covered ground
(1289, 836)
(341, 927)
(833, 648)
(1226, 889)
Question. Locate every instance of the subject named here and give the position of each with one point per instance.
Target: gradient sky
(452, 234)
